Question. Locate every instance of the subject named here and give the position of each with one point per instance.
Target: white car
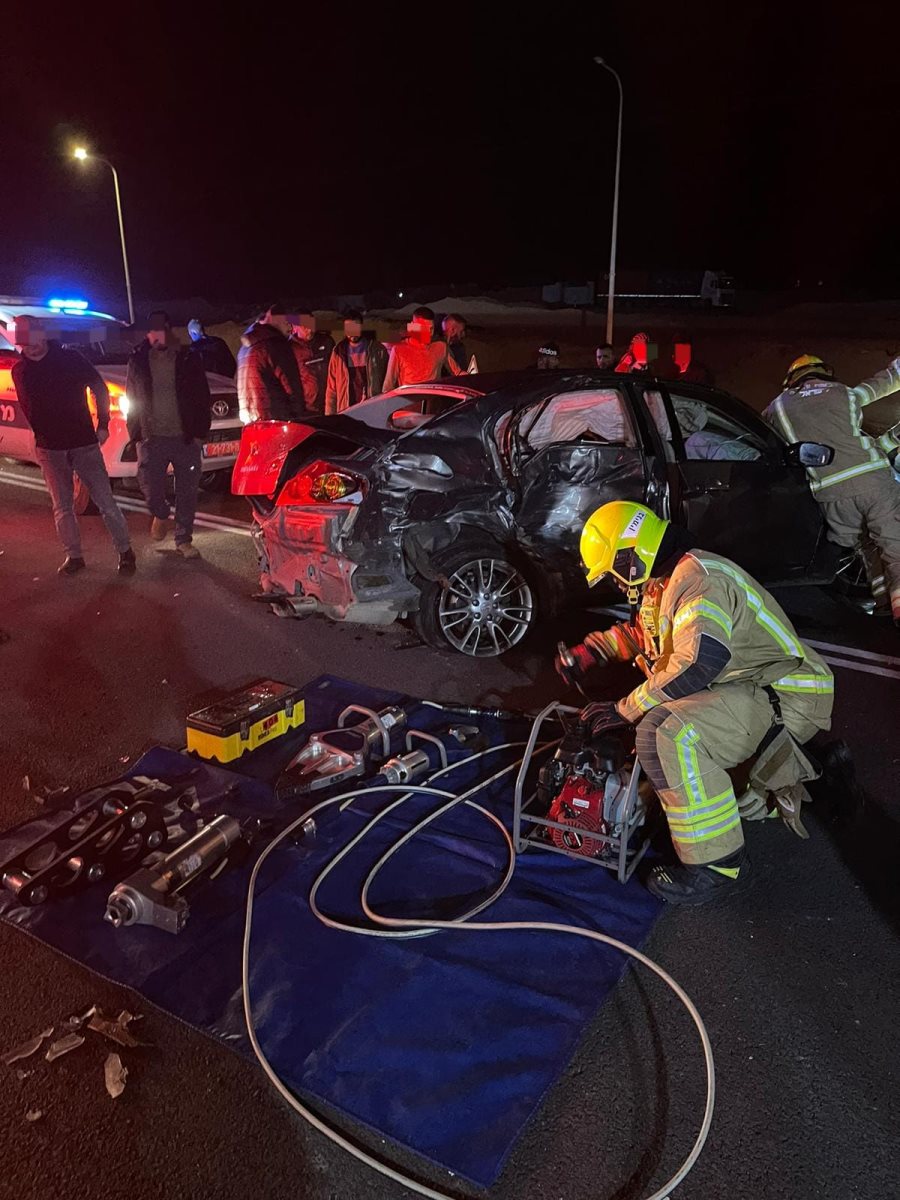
(97, 336)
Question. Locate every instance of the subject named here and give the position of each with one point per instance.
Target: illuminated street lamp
(610, 299)
(82, 155)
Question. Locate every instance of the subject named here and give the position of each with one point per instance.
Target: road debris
(20, 1074)
(76, 1021)
(26, 1049)
(115, 1028)
(63, 1046)
(33, 1114)
(115, 1075)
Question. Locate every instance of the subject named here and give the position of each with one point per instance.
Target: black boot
(127, 564)
(70, 566)
(684, 884)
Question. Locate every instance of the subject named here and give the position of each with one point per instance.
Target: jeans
(87, 463)
(154, 456)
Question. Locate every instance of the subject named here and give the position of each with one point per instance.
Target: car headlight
(124, 405)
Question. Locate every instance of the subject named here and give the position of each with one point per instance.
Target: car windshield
(408, 408)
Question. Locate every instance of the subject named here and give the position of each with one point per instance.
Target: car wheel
(215, 481)
(487, 606)
(851, 581)
(82, 503)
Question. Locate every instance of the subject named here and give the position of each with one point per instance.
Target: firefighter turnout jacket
(822, 410)
(728, 678)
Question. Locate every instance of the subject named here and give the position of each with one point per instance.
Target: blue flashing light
(68, 306)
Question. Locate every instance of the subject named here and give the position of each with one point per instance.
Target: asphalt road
(796, 980)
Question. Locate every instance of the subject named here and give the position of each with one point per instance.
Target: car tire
(82, 502)
(215, 481)
(483, 606)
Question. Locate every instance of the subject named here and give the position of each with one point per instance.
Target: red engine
(580, 805)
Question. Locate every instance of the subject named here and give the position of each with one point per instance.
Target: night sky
(310, 149)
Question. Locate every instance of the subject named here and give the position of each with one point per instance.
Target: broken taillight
(322, 483)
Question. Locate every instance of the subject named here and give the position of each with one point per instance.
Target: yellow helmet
(622, 539)
(804, 366)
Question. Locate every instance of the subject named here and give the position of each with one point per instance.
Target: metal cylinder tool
(151, 896)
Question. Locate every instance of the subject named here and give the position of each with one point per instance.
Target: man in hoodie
(51, 384)
(268, 380)
(169, 414)
(313, 351)
(356, 368)
(213, 350)
(419, 358)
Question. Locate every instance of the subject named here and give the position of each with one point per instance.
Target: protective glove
(574, 662)
(603, 716)
(102, 434)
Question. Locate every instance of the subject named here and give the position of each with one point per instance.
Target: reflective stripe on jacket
(714, 624)
(821, 410)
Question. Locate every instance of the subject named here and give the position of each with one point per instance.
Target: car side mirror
(809, 454)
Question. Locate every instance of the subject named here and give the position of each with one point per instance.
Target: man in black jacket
(50, 384)
(169, 415)
(213, 350)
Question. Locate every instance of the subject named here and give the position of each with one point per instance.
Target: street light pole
(610, 299)
(81, 154)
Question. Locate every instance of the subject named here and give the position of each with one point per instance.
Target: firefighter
(727, 679)
(857, 491)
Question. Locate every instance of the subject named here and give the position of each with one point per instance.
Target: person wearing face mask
(169, 414)
(268, 379)
(51, 385)
(213, 351)
(312, 351)
(356, 368)
(418, 358)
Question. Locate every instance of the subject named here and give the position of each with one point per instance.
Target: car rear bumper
(306, 565)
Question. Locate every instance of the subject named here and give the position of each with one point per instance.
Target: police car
(99, 337)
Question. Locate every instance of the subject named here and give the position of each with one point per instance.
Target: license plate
(220, 449)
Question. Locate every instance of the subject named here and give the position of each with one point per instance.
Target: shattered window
(709, 433)
(597, 414)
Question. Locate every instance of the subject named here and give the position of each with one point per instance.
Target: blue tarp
(445, 1044)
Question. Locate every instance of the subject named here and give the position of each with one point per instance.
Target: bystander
(168, 416)
(51, 385)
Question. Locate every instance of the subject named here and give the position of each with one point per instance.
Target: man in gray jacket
(357, 367)
(859, 496)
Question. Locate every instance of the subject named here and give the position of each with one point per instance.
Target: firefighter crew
(727, 679)
(858, 493)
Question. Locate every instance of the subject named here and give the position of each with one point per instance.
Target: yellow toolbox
(245, 720)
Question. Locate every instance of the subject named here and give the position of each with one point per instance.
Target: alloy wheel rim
(486, 608)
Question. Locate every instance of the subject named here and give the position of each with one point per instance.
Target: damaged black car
(460, 505)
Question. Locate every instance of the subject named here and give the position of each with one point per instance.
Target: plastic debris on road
(115, 1028)
(115, 1074)
(63, 1046)
(26, 1049)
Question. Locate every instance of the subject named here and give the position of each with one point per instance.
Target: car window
(594, 414)
(710, 433)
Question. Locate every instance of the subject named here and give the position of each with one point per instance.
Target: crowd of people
(287, 368)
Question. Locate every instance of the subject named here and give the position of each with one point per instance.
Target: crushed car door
(569, 454)
(731, 484)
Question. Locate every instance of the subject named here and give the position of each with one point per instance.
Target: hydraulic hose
(399, 927)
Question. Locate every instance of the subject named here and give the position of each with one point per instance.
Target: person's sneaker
(70, 566)
(187, 550)
(127, 563)
(691, 885)
(159, 529)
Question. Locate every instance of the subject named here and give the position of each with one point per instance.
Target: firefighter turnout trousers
(871, 519)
